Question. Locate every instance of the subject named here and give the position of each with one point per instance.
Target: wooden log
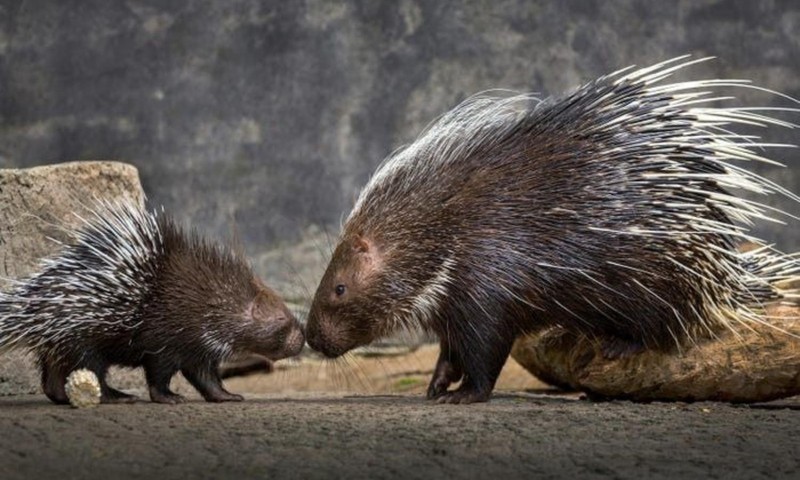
(748, 365)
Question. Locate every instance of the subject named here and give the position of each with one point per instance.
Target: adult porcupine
(607, 210)
(132, 288)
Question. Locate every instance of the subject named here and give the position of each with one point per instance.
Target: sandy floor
(406, 373)
(524, 431)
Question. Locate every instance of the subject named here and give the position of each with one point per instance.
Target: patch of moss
(407, 383)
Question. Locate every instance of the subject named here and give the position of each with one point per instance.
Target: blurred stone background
(269, 115)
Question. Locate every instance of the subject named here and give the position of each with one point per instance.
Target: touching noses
(292, 332)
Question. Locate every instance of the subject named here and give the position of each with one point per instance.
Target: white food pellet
(83, 389)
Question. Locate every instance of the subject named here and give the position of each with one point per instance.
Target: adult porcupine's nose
(318, 341)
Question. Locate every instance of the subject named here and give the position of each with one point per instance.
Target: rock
(758, 363)
(36, 206)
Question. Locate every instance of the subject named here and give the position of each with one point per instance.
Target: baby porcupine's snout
(273, 331)
(294, 339)
(288, 334)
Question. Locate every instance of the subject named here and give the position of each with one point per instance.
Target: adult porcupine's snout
(319, 340)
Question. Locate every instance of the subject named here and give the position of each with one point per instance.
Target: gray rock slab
(37, 207)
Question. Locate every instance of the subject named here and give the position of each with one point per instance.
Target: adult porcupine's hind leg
(206, 379)
(448, 370)
(159, 372)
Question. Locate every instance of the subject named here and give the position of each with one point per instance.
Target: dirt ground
(377, 425)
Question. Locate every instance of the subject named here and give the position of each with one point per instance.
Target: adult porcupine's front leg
(206, 379)
(448, 371)
(482, 361)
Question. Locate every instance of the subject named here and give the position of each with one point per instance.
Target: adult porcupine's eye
(340, 290)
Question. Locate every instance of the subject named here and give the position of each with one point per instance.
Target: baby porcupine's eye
(340, 289)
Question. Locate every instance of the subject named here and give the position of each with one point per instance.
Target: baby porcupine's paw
(223, 396)
(111, 395)
(167, 398)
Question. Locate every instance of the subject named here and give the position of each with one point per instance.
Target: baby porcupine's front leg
(206, 379)
(159, 373)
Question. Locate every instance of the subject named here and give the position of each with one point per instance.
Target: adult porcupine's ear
(368, 258)
(361, 245)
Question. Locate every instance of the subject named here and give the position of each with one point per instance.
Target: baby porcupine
(608, 210)
(133, 289)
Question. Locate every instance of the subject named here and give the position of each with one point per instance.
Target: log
(741, 366)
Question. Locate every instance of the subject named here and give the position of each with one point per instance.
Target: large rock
(37, 207)
(38, 204)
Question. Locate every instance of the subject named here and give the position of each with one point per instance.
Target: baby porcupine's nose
(292, 331)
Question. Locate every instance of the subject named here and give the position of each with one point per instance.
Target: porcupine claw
(168, 398)
(206, 380)
(111, 395)
(447, 372)
(224, 396)
(437, 388)
(465, 395)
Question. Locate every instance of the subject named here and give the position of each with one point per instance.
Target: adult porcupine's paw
(444, 376)
(464, 396)
(437, 387)
(446, 373)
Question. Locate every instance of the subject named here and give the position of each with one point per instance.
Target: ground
(525, 431)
